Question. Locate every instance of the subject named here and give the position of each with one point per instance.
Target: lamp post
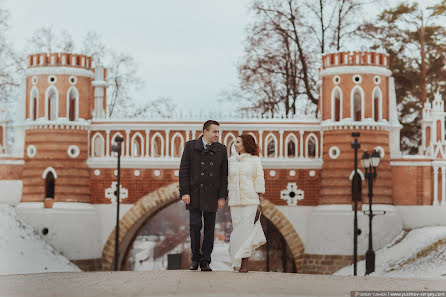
(370, 163)
(356, 196)
(117, 149)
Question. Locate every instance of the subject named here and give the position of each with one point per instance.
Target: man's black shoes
(193, 265)
(204, 266)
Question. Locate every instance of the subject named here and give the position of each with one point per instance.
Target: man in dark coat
(204, 189)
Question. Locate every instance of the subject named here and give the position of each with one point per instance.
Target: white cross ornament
(292, 194)
(110, 193)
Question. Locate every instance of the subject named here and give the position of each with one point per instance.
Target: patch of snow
(23, 251)
(400, 259)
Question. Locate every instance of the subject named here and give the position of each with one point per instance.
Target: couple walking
(207, 179)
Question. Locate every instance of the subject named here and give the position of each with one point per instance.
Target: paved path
(196, 283)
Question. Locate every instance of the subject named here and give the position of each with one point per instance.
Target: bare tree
(47, 40)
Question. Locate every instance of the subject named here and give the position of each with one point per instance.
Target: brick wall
(327, 264)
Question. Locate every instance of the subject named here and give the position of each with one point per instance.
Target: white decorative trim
(169, 163)
(377, 79)
(12, 162)
(73, 151)
(316, 143)
(115, 172)
(361, 174)
(97, 172)
(357, 81)
(333, 103)
(157, 173)
(409, 163)
(31, 151)
(76, 106)
(336, 79)
(52, 79)
(49, 169)
(292, 172)
(93, 145)
(72, 80)
(34, 80)
(381, 151)
(334, 152)
(176, 173)
(292, 194)
(137, 172)
(152, 144)
(356, 70)
(276, 144)
(172, 144)
(287, 139)
(59, 70)
(352, 101)
(141, 149)
(110, 193)
(312, 173)
(272, 173)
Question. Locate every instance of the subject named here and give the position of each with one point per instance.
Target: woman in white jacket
(246, 184)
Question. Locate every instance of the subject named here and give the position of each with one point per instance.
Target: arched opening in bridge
(155, 236)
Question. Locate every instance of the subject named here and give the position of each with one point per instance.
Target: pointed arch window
(72, 104)
(51, 104)
(137, 145)
(229, 142)
(377, 104)
(98, 146)
(311, 145)
(177, 145)
(271, 146)
(357, 104)
(34, 106)
(157, 146)
(336, 104)
(291, 146)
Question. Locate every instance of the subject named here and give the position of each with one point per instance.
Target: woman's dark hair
(250, 144)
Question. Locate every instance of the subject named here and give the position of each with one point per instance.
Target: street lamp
(117, 149)
(370, 163)
(356, 196)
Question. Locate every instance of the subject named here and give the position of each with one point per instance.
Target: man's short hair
(209, 123)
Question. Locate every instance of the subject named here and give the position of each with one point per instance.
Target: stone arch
(151, 203)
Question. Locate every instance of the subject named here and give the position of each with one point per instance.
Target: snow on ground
(220, 259)
(421, 253)
(23, 251)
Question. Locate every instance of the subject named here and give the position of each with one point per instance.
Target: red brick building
(66, 172)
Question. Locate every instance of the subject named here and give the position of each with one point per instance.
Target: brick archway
(151, 203)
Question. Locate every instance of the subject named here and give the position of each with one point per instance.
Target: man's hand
(221, 203)
(186, 199)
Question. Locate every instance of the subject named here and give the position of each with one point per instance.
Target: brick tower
(60, 99)
(357, 95)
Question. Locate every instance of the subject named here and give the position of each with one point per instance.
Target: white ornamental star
(110, 193)
(292, 194)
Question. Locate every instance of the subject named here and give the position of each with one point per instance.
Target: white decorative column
(89, 145)
(322, 145)
(281, 144)
(443, 186)
(147, 143)
(127, 141)
(167, 143)
(107, 153)
(435, 203)
(260, 142)
(188, 135)
(301, 144)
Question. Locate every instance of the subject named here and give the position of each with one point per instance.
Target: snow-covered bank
(23, 251)
(421, 253)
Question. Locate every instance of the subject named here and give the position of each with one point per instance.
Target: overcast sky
(186, 50)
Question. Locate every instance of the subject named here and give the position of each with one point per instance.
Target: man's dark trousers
(195, 226)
